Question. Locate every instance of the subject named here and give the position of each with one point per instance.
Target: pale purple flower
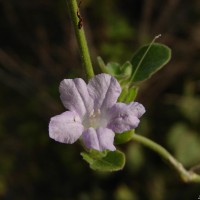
(93, 116)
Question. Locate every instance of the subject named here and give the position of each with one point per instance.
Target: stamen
(92, 113)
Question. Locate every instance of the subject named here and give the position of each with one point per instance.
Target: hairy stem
(186, 176)
(80, 36)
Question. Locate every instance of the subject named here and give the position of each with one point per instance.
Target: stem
(81, 39)
(186, 176)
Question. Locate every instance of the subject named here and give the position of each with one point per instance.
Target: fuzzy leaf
(102, 65)
(148, 60)
(126, 69)
(113, 68)
(111, 161)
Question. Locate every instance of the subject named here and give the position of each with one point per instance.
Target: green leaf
(126, 69)
(113, 68)
(102, 65)
(128, 95)
(148, 60)
(123, 94)
(111, 161)
(97, 154)
(124, 137)
(121, 72)
(132, 93)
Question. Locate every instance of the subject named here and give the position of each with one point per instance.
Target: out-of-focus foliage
(38, 49)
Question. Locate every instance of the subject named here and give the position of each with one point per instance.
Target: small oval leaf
(148, 60)
(112, 161)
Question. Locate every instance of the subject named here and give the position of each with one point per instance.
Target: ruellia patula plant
(102, 113)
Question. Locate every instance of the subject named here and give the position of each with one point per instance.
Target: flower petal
(137, 108)
(106, 139)
(99, 139)
(90, 139)
(75, 96)
(104, 90)
(122, 118)
(66, 127)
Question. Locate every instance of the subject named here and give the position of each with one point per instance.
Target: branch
(186, 176)
(80, 36)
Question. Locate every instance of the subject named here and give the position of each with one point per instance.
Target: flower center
(95, 120)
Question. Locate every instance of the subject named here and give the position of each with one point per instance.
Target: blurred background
(38, 49)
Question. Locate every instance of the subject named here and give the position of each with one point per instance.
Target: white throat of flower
(95, 120)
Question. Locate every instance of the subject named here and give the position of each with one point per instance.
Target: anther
(98, 112)
(92, 113)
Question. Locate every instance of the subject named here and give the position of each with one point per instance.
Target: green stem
(186, 176)
(81, 39)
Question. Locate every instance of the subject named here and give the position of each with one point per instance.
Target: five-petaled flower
(93, 116)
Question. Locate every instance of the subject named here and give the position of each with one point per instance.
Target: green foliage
(121, 72)
(106, 161)
(190, 107)
(145, 62)
(135, 157)
(118, 32)
(131, 95)
(113, 68)
(125, 193)
(124, 137)
(148, 60)
(185, 143)
(128, 94)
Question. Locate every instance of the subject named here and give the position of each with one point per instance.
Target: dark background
(38, 49)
